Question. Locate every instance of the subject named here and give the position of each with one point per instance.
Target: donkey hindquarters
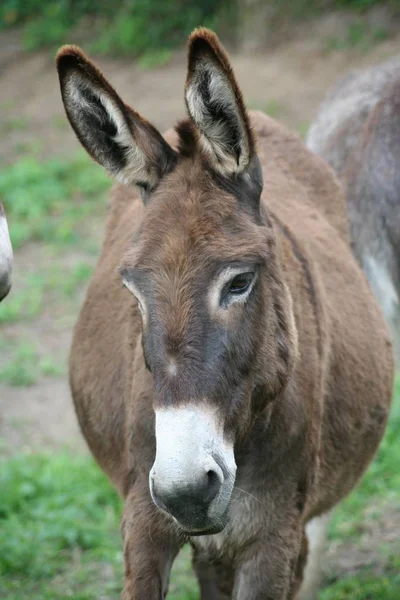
(357, 131)
(240, 385)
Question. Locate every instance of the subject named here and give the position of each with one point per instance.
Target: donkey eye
(237, 289)
(240, 284)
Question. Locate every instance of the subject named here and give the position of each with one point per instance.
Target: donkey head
(218, 329)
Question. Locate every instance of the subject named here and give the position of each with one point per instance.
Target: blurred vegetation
(59, 530)
(357, 35)
(148, 28)
(55, 202)
(46, 200)
(129, 27)
(27, 366)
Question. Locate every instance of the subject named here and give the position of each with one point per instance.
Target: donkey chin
(194, 470)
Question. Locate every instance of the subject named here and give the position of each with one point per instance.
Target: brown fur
(308, 407)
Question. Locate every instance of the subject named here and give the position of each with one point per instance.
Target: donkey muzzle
(194, 471)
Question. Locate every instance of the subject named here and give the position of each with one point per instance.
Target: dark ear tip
(70, 57)
(202, 41)
(203, 33)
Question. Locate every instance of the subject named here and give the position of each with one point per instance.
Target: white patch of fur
(214, 294)
(188, 438)
(137, 165)
(172, 368)
(214, 134)
(136, 168)
(139, 297)
(382, 287)
(6, 254)
(316, 531)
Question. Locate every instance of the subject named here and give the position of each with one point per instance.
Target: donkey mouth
(193, 527)
(210, 530)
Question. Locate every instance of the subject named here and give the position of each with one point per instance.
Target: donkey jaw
(194, 471)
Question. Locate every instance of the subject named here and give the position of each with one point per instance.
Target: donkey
(230, 369)
(357, 131)
(6, 256)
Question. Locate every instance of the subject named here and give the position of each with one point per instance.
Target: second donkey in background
(357, 131)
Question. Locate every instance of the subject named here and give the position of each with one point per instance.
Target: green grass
(364, 588)
(14, 124)
(21, 370)
(27, 301)
(59, 530)
(53, 202)
(47, 200)
(26, 365)
(23, 305)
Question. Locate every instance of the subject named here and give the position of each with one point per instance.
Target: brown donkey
(239, 385)
(358, 133)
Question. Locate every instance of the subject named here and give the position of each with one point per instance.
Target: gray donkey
(6, 256)
(357, 131)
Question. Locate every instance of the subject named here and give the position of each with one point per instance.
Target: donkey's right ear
(116, 136)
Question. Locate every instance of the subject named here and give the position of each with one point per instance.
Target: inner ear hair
(116, 136)
(215, 103)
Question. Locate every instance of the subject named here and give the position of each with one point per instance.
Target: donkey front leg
(267, 570)
(150, 547)
(215, 579)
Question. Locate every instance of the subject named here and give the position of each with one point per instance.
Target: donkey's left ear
(215, 104)
(115, 135)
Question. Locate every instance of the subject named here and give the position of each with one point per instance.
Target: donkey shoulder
(279, 147)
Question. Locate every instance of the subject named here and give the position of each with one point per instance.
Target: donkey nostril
(212, 477)
(213, 486)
